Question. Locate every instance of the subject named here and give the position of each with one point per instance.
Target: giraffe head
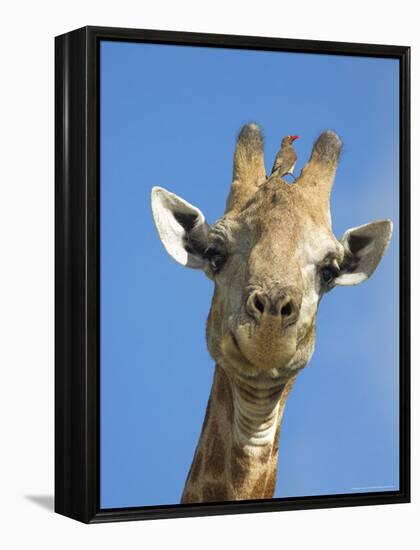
(272, 256)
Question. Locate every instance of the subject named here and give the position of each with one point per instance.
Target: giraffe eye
(216, 263)
(216, 260)
(329, 273)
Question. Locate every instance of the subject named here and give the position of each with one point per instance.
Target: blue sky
(169, 117)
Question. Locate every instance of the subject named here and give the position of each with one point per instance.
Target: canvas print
(249, 221)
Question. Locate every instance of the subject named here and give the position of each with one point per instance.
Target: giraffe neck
(236, 456)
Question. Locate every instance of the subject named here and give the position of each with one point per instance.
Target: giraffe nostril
(286, 310)
(258, 304)
(279, 303)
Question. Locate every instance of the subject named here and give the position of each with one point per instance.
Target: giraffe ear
(181, 226)
(364, 247)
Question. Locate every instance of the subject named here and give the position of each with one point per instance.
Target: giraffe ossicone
(272, 257)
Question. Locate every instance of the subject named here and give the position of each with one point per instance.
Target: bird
(285, 160)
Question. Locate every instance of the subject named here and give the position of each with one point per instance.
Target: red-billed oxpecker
(285, 160)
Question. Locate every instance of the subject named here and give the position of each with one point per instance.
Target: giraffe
(272, 256)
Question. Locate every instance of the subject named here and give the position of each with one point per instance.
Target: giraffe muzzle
(280, 304)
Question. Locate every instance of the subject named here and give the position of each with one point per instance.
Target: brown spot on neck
(239, 464)
(213, 492)
(258, 491)
(223, 390)
(270, 485)
(215, 452)
(196, 466)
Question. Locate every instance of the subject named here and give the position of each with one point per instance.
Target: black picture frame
(77, 273)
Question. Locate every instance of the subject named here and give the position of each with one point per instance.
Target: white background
(26, 274)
